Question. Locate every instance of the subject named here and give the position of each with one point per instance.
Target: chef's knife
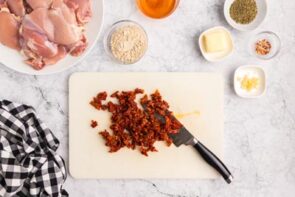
(183, 136)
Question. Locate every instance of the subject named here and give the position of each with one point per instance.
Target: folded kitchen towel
(29, 165)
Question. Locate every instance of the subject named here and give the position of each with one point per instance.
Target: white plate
(251, 71)
(215, 57)
(14, 60)
(262, 11)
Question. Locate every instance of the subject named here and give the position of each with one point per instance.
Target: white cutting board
(198, 95)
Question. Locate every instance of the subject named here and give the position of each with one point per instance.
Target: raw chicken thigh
(44, 30)
(9, 26)
(82, 9)
(16, 7)
(34, 4)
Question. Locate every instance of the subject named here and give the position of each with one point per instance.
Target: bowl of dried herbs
(245, 15)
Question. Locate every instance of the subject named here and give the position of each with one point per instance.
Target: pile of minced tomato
(135, 125)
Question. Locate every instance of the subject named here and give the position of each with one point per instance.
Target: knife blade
(184, 137)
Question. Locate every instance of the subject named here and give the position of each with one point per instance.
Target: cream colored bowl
(217, 56)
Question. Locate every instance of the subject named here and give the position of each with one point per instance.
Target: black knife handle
(214, 161)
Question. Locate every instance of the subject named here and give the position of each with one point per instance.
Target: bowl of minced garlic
(250, 81)
(126, 42)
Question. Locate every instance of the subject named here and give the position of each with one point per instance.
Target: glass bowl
(161, 13)
(113, 29)
(272, 38)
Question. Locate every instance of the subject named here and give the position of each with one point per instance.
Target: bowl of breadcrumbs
(126, 42)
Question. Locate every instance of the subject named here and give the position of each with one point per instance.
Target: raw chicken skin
(38, 63)
(61, 53)
(39, 3)
(35, 38)
(9, 27)
(16, 7)
(80, 47)
(43, 30)
(65, 25)
(82, 8)
(3, 4)
(57, 24)
(36, 33)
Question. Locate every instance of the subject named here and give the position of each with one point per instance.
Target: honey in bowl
(157, 8)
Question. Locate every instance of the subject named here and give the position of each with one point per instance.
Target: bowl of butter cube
(216, 44)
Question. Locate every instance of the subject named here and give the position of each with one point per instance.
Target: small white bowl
(218, 56)
(251, 71)
(261, 14)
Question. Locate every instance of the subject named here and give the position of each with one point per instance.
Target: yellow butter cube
(215, 41)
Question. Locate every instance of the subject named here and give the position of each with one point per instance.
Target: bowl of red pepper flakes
(265, 45)
(133, 124)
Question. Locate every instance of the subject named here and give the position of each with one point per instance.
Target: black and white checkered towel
(29, 165)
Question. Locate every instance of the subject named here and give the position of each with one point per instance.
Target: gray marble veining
(259, 133)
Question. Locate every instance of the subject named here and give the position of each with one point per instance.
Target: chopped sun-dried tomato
(97, 100)
(133, 126)
(93, 123)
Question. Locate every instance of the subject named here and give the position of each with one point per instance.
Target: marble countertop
(259, 133)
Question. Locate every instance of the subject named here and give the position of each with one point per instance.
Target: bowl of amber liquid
(157, 9)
